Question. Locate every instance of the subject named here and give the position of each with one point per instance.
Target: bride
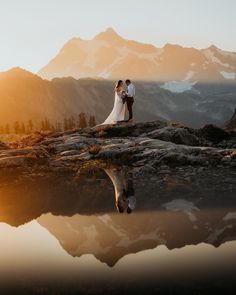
(118, 112)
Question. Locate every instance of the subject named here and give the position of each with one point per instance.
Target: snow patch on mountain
(178, 86)
(228, 75)
(227, 53)
(125, 51)
(210, 55)
(189, 75)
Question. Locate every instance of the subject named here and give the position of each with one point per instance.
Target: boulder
(176, 135)
(213, 133)
(231, 124)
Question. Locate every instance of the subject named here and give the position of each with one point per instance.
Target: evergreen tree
(52, 128)
(7, 129)
(77, 122)
(82, 120)
(1, 129)
(58, 126)
(30, 126)
(17, 127)
(92, 121)
(65, 127)
(22, 129)
(42, 127)
(72, 122)
(47, 124)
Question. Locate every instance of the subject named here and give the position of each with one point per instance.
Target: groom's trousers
(130, 101)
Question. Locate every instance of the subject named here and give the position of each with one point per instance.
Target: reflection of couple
(122, 98)
(124, 191)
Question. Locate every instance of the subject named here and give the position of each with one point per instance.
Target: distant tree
(69, 124)
(17, 127)
(72, 123)
(92, 121)
(52, 127)
(77, 121)
(66, 124)
(42, 127)
(47, 124)
(58, 126)
(30, 126)
(1, 129)
(82, 120)
(22, 128)
(7, 129)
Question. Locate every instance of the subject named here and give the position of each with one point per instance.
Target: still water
(64, 235)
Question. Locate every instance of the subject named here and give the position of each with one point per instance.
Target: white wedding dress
(118, 111)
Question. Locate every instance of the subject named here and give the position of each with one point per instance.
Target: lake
(63, 233)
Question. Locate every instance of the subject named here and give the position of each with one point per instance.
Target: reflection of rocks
(154, 144)
(24, 197)
(111, 236)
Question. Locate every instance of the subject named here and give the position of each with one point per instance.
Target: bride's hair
(118, 84)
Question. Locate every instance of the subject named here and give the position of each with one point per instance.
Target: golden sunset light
(117, 147)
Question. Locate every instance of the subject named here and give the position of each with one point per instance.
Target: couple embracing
(123, 98)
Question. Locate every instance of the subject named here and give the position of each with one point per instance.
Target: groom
(129, 98)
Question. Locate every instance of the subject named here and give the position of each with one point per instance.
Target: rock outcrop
(150, 144)
(231, 124)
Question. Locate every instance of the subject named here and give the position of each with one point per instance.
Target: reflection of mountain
(171, 212)
(110, 237)
(109, 55)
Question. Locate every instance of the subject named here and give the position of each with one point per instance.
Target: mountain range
(26, 96)
(110, 56)
(174, 83)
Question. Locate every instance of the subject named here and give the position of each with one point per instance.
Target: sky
(33, 31)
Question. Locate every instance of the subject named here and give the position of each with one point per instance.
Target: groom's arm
(128, 91)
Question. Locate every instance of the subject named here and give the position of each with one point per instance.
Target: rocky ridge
(142, 145)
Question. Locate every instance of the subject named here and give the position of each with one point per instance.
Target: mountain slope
(25, 96)
(110, 56)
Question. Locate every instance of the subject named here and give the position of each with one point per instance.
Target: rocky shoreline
(147, 146)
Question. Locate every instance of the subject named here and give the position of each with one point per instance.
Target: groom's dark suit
(130, 99)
